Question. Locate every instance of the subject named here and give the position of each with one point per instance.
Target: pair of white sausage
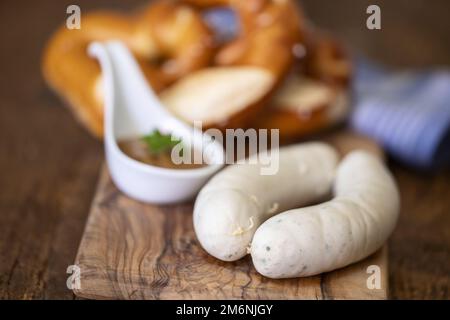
(239, 201)
(233, 204)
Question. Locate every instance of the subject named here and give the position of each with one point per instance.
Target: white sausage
(308, 241)
(229, 209)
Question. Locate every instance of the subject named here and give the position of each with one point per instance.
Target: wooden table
(49, 164)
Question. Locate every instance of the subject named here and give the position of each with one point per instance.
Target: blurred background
(50, 164)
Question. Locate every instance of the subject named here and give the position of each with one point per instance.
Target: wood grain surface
(50, 165)
(132, 250)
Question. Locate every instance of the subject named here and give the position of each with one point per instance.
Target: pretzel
(168, 38)
(228, 87)
(246, 71)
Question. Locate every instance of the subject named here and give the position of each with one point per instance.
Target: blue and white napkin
(407, 112)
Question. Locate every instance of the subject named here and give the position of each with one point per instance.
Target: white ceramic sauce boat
(132, 110)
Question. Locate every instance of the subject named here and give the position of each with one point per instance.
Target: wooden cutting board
(132, 250)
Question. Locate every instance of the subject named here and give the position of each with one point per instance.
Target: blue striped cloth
(407, 112)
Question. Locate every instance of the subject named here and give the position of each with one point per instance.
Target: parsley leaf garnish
(158, 143)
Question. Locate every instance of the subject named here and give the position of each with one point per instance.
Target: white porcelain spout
(132, 109)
